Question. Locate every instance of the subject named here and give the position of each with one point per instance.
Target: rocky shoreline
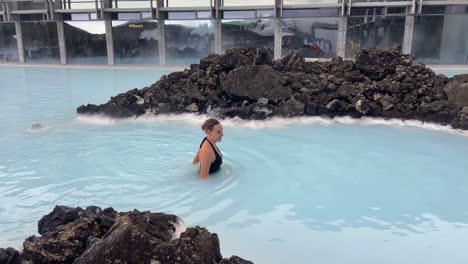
(248, 84)
(96, 236)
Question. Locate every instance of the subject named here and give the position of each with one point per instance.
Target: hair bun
(209, 124)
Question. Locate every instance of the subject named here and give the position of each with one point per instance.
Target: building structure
(180, 32)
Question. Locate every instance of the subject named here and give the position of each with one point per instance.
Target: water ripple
(297, 188)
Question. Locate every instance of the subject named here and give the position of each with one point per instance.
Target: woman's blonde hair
(209, 124)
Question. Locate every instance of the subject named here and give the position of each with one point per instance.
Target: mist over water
(294, 190)
(448, 43)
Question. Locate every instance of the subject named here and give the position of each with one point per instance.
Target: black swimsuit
(216, 164)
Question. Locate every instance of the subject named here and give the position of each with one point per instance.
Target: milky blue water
(300, 191)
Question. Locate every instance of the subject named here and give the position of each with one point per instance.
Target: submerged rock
(246, 83)
(92, 235)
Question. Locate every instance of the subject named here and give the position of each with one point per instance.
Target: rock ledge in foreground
(92, 235)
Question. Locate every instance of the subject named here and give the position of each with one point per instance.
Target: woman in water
(208, 154)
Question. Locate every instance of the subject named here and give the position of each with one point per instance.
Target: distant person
(208, 154)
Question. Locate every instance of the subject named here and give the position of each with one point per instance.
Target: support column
(217, 28)
(7, 11)
(4, 15)
(162, 42)
(408, 34)
(216, 14)
(162, 33)
(109, 36)
(19, 41)
(278, 38)
(3, 12)
(109, 41)
(61, 40)
(341, 41)
(278, 11)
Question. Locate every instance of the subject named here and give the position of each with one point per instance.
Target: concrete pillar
(408, 34)
(7, 11)
(162, 42)
(216, 14)
(217, 30)
(278, 39)
(3, 11)
(341, 41)
(19, 41)
(109, 36)
(62, 43)
(3, 17)
(109, 41)
(278, 12)
(162, 34)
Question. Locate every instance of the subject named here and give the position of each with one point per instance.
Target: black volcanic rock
(62, 245)
(376, 64)
(235, 260)
(59, 216)
(134, 237)
(210, 59)
(461, 120)
(291, 108)
(457, 91)
(9, 256)
(235, 58)
(66, 233)
(254, 82)
(380, 83)
(110, 110)
(293, 61)
(74, 235)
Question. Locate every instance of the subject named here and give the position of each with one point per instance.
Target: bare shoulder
(206, 147)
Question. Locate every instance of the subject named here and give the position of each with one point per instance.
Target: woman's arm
(196, 159)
